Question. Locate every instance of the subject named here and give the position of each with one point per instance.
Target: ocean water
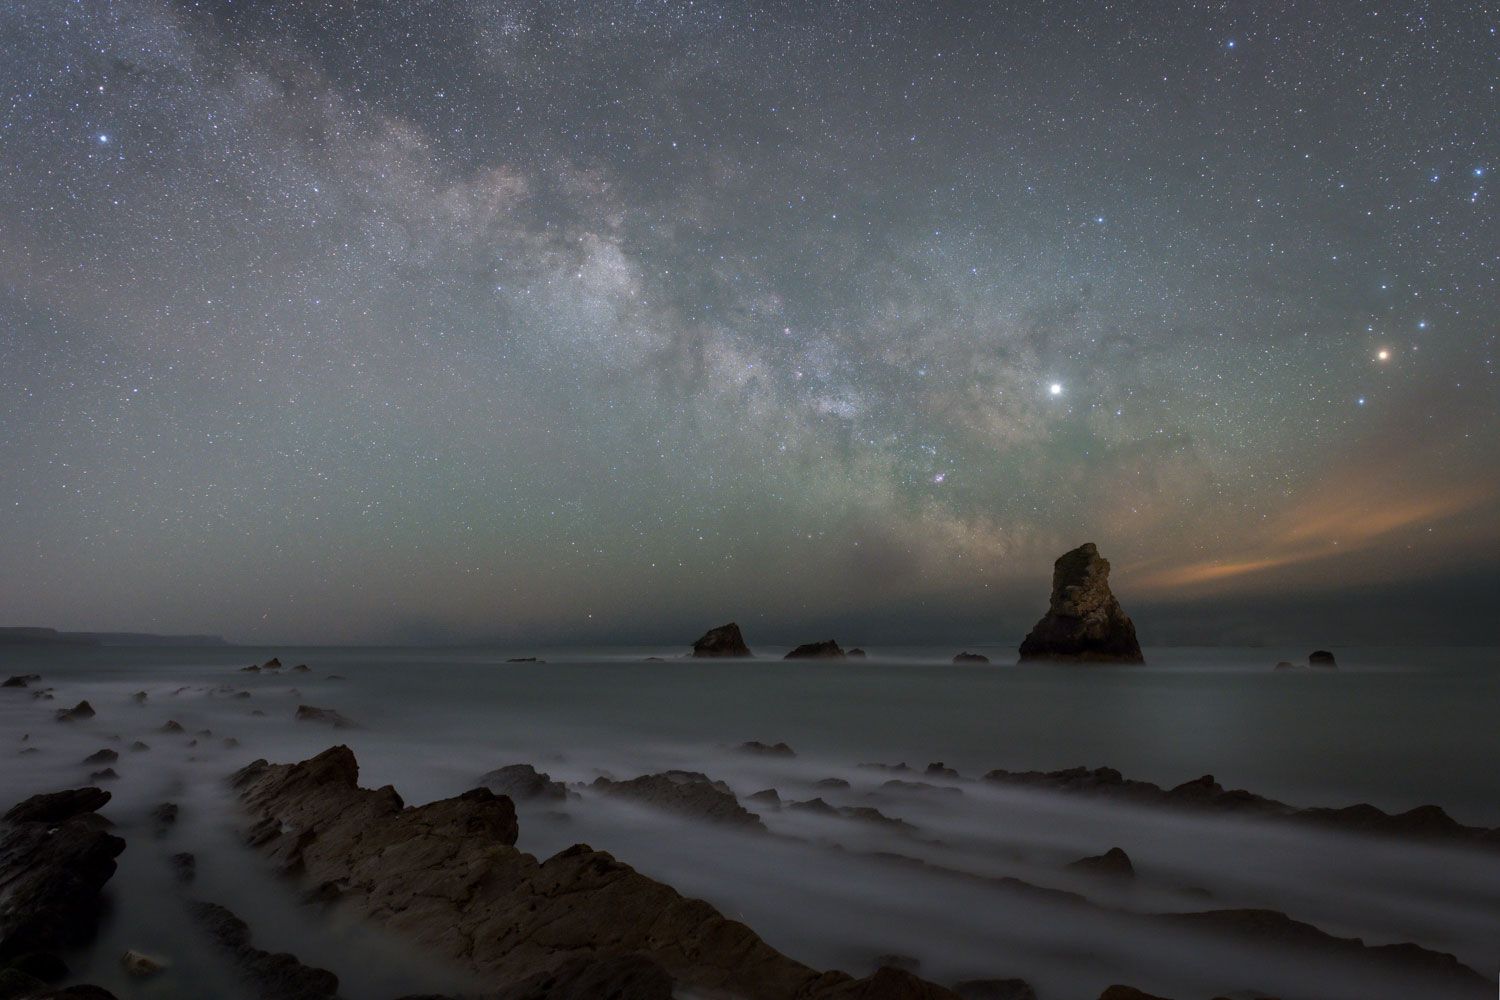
(1393, 727)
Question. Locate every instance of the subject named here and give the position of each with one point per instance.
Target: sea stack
(722, 641)
(1084, 622)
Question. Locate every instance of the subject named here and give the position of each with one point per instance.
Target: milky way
(368, 321)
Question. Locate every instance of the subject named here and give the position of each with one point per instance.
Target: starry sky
(589, 320)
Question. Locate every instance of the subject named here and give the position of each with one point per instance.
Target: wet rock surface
(1084, 622)
(447, 876)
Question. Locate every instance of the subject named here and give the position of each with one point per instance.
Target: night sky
(588, 320)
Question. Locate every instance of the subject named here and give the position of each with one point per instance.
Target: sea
(1393, 727)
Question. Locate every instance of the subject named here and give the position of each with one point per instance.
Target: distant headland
(36, 636)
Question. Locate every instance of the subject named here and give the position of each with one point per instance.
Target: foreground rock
(55, 856)
(725, 640)
(687, 793)
(523, 782)
(825, 650)
(447, 875)
(1424, 822)
(1084, 622)
(280, 976)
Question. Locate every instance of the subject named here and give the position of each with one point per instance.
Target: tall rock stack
(1084, 623)
(723, 641)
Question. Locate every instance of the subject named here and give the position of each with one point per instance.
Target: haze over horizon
(602, 321)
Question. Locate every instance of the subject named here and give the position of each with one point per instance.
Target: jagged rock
(448, 877)
(140, 965)
(184, 866)
(1083, 622)
(105, 756)
(523, 782)
(815, 806)
(20, 680)
(280, 976)
(967, 657)
(688, 793)
(825, 650)
(55, 857)
(995, 989)
(938, 769)
(1321, 658)
(769, 749)
(82, 710)
(725, 640)
(765, 797)
(307, 713)
(272, 664)
(869, 814)
(1113, 863)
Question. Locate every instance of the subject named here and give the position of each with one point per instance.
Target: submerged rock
(105, 756)
(687, 793)
(825, 650)
(767, 749)
(722, 641)
(1113, 863)
(82, 710)
(307, 713)
(856, 654)
(1286, 665)
(523, 782)
(184, 866)
(20, 680)
(1084, 622)
(280, 976)
(448, 876)
(967, 657)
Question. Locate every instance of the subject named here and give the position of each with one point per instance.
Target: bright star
(103, 138)
(1055, 389)
(1383, 355)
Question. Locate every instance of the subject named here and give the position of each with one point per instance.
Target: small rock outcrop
(767, 749)
(723, 641)
(1321, 658)
(82, 710)
(856, 654)
(1113, 863)
(825, 650)
(307, 713)
(1084, 622)
(687, 793)
(20, 680)
(968, 657)
(522, 782)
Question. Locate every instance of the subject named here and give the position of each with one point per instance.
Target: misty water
(1393, 727)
